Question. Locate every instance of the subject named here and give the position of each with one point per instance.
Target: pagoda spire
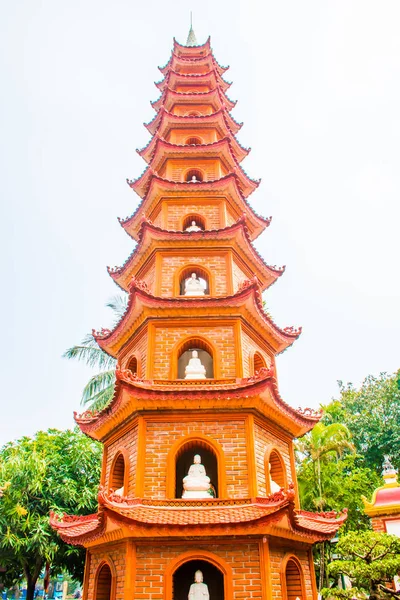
(191, 39)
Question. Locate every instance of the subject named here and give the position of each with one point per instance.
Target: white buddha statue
(193, 227)
(273, 486)
(194, 286)
(195, 368)
(193, 179)
(196, 484)
(198, 589)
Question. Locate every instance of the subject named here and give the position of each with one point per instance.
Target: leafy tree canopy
(372, 414)
(54, 470)
(370, 560)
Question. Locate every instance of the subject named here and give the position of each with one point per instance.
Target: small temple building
(198, 496)
(384, 508)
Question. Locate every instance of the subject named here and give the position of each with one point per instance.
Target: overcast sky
(318, 89)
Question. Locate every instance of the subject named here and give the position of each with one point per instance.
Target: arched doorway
(183, 578)
(117, 474)
(202, 276)
(104, 583)
(198, 219)
(194, 175)
(292, 579)
(258, 362)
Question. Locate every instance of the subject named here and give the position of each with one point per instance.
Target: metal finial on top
(191, 39)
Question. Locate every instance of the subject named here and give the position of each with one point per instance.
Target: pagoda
(198, 495)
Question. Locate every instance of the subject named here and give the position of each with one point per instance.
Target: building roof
(150, 518)
(235, 237)
(385, 499)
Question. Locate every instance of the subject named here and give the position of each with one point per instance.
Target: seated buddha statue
(196, 484)
(198, 589)
(195, 368)
(273, 486)
(193, 227)
(194, 286)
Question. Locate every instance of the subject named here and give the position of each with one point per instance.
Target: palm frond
(102, 399)
(91, 354)
(97, 385)
(118, 304)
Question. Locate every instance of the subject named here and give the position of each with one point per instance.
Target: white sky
(318, 89)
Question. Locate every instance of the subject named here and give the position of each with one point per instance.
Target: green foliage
(54, 470)
(372, 414)
(99, 390)
(316, 452)
(370, 560)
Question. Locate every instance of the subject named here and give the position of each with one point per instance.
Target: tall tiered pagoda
(198, 495)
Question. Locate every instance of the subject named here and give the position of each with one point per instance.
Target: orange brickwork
(249, 536)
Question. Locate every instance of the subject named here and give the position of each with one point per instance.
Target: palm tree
(99, 390)
(322, 445)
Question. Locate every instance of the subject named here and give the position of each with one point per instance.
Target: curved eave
(164, 121)
(149, 151)
(78, 530)
(216, 97)
(152, 237)
(385, 501)
(258, 393)
(217, 150)
(274, 515)
(226, 187)
(175, 61)
(192, 51)
(173, 78)
(248, 301)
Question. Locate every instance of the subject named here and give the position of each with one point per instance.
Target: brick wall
(249, 347)
(161, 435)
(166, 337)
(243, 558)
(115, 554)
(176, 212)
(276, 557)
(262, 439)
(172, 264)
(238, 276)
(128, 441)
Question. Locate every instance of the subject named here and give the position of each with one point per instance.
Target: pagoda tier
(184, 82)
(239, 153)
(221, 120)
(198, 466)
(218, 203)
(275, 516)
(232, 246)
(243, 307)
(201, 64)
(133, 396)
(181, 102)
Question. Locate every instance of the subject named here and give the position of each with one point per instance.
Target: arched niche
(180, 458)
(105, 582)
(292, 578)
(183, 353)
(186, 272)
(193, 113)
(188, 220)
(275, 469)
(133, 365)
(193, 140)
(118, 480)
(194, 173)
(258, 362)
(217, 574)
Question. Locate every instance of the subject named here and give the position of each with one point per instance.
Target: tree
(315, 451)
(370, 560)
(99, 390)
(372, 414)
(54, 470)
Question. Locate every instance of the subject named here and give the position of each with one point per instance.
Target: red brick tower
(248, 536)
